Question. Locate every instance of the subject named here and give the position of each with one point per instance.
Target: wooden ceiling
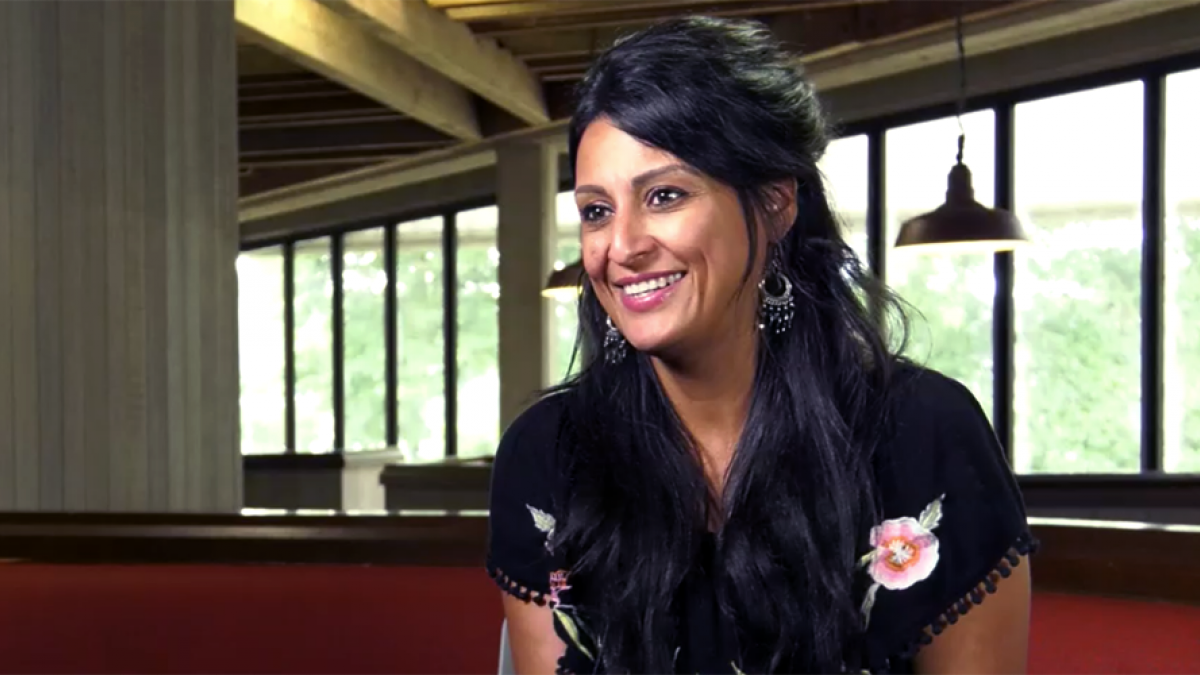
(327, 86)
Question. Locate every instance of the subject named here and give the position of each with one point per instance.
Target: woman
(745, 478)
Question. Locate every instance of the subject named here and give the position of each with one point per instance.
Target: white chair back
(506, 663)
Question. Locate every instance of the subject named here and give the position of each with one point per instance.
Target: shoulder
(944, 479)
(532, 441)
(940, 439)
(925, 401)
(524, 499)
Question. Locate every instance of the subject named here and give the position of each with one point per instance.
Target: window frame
(1153, 74)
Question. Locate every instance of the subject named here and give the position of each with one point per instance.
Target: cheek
(595, 260)
(726, 250)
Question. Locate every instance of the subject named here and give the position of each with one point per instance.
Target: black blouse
(953, 525)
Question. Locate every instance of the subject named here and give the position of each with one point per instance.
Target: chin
(652, 345)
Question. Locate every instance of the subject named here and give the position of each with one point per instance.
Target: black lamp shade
(566, 283)
(962, 224)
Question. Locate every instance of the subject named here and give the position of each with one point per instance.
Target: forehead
(608, 155)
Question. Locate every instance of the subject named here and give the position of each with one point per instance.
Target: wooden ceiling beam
(332, 45)
(331, 156)
(377, 134)
(470, 12)
(255, 179)
(289, 107)
(449, 48)
(640, 15)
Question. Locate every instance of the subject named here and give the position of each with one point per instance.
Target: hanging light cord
(962, 80)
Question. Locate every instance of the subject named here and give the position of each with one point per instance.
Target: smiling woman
(750, 479)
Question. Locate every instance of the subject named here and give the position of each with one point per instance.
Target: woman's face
(664, 245)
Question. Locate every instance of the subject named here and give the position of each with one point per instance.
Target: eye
(665, 196)
(593, 213)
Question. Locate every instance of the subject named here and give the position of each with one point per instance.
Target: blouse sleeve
(954, 521)
(522, 509)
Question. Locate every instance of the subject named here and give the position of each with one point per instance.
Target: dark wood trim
(450, 328)
(876, 203)
(1144, 491)
(295, 461)
(391, 357)
(444, 541)
(289, 342)
(1153, 266)
(1137, 560)
(1034, 92)
(876, 227)
(1141, 561)
(338, 346)
(1003, 307)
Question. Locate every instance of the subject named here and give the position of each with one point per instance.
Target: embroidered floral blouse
(953, 525)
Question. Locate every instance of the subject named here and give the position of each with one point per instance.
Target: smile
(650, 285)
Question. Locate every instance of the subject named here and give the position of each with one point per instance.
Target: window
(564, 319)
(478, 332)
(261, 350)
(949, 294)
(313, 314)
(364, 283)
(1078, 192)
(420, 342)
(1181, 353)
(845, 169)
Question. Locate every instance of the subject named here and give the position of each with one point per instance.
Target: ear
(781, 208)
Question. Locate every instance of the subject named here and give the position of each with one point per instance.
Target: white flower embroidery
(543, 521)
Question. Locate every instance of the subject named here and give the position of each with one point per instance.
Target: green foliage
(478, 350)
(1078, 350)
(313, 315)
(1078, 388)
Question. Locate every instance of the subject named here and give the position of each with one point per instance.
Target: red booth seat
(313, 619)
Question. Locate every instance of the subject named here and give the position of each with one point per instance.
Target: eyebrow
(641, 179)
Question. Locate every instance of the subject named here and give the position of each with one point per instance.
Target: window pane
(261, 350)
(364, 283)
(1181, 438)
(478, 345)
(845, 169)
(1078, 193)
(565, 318)
(313, 308)
(950, 294)
(421, 373)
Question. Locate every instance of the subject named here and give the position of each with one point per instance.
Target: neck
(711, 392)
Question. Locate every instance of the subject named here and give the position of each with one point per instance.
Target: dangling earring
(777, 306)
(614, 344)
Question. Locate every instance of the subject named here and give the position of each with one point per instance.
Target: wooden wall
(118, 246)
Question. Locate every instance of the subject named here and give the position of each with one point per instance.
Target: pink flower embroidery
(903, 552)
(558, 584)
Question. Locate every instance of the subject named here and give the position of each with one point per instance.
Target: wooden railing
(1137, 560)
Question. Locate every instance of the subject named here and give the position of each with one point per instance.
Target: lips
(646, 292)
(650, 285)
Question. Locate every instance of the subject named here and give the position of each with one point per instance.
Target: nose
(630, 240)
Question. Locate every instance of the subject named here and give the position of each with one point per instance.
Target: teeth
(652, 284)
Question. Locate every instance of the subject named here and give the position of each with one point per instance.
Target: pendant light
(961, 224)
(565, 284)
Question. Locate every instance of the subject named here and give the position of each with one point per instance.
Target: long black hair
(724, 97)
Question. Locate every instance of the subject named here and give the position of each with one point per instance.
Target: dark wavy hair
(724, 97)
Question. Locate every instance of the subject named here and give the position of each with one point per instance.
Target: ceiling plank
(403, 135)
(554, 44)
(449, 48)
(642, 15)
(998, 28)
(536, 9)
(334, 46)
